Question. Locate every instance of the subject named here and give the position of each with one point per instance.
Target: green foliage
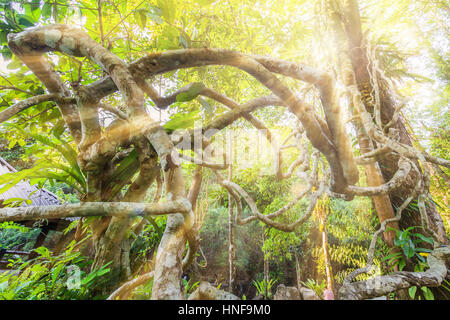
(192, 93)
(148, 240)
(214, 236)
(349, 257)
(261, 286)
(280, 245)
(214, 242)
(189, 287)
(408, 242)
(350, 226)
(271, 195)
(124, 172)
(14, 156)
(317, 287)
(143, 292)
(13, 236)
(427, 294)
(12, 20)
(57, 163)
(392, 61)
(64, 192)
(48, 277)
(181, 121)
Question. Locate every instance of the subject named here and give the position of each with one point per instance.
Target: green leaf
(15, 202)
(392, 256)
(424, 250)
(3, 34)
(55, 273)
(15, 64)
(69, 154)
(401, 264)
(192, 93)
(170, 37)
(427, 293)
(103, 271)
(21, 142)
(154, 13)
(206, 105)
(6, 53)
(168, 9)
(43, 251)
(88, 278)
(423, 238)
(35, 4)
(11, 144)
(409, 249)
(141, 17)
(412, 291)
(3, 286)
(126, 169)
(59, 128)
(182, 121)
(46, 10)
(23, 286)
(25, 21)
(420, 258)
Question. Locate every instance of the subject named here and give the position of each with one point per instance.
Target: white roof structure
(39, 197)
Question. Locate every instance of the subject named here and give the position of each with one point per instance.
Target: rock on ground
(286, 293)
(308, 294)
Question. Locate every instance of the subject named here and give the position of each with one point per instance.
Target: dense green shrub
(51, 277)
(13, 236)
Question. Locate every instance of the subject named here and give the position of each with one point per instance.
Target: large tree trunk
(389, 165)
(110, 240)
(382, 203)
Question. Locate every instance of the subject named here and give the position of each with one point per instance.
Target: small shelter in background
(24, 190)
(38, 197)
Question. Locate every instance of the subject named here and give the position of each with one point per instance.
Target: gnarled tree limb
(381, 285)
(93, 209)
